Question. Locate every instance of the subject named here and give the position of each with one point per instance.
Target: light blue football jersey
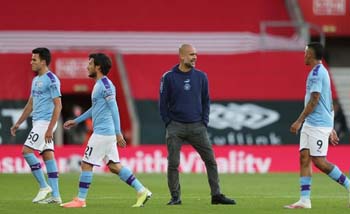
(318, 81)
(104, 110)
(44, 89)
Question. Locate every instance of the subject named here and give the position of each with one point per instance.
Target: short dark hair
(103, 61)
(44, 54)
(317, 48)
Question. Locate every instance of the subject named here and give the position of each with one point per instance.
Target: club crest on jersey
(39, 84)
(187, 85)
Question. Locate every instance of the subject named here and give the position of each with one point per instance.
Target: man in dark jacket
(184, 107)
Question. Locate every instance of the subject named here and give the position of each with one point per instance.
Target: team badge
(39, 84)
(187, 85)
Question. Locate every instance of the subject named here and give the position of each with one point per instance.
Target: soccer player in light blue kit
(106, 133)
(317, 130)
(45, 105)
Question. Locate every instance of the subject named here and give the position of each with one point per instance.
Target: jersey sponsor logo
(37, 93)
(237, 117)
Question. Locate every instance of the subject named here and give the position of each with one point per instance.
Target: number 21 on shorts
(88, 151)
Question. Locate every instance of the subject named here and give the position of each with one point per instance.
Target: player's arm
(25, 114)
(309, 108)
(55, 115)
(70, 123)
(333, 137)
(164, 100)
(112, 104)
(205, 101)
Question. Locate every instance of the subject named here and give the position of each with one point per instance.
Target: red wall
(139, 15)
(18, 73)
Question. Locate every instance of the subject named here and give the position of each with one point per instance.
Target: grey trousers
(196, 135)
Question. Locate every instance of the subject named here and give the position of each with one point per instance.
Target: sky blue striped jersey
(318, 81)
(44, 89)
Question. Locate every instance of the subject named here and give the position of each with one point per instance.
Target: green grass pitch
(254, 193)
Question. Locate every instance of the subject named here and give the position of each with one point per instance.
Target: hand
(69, 124)
(295, 127)
(121, 141)
(14, 129)
(48, 136)
(333, 138)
